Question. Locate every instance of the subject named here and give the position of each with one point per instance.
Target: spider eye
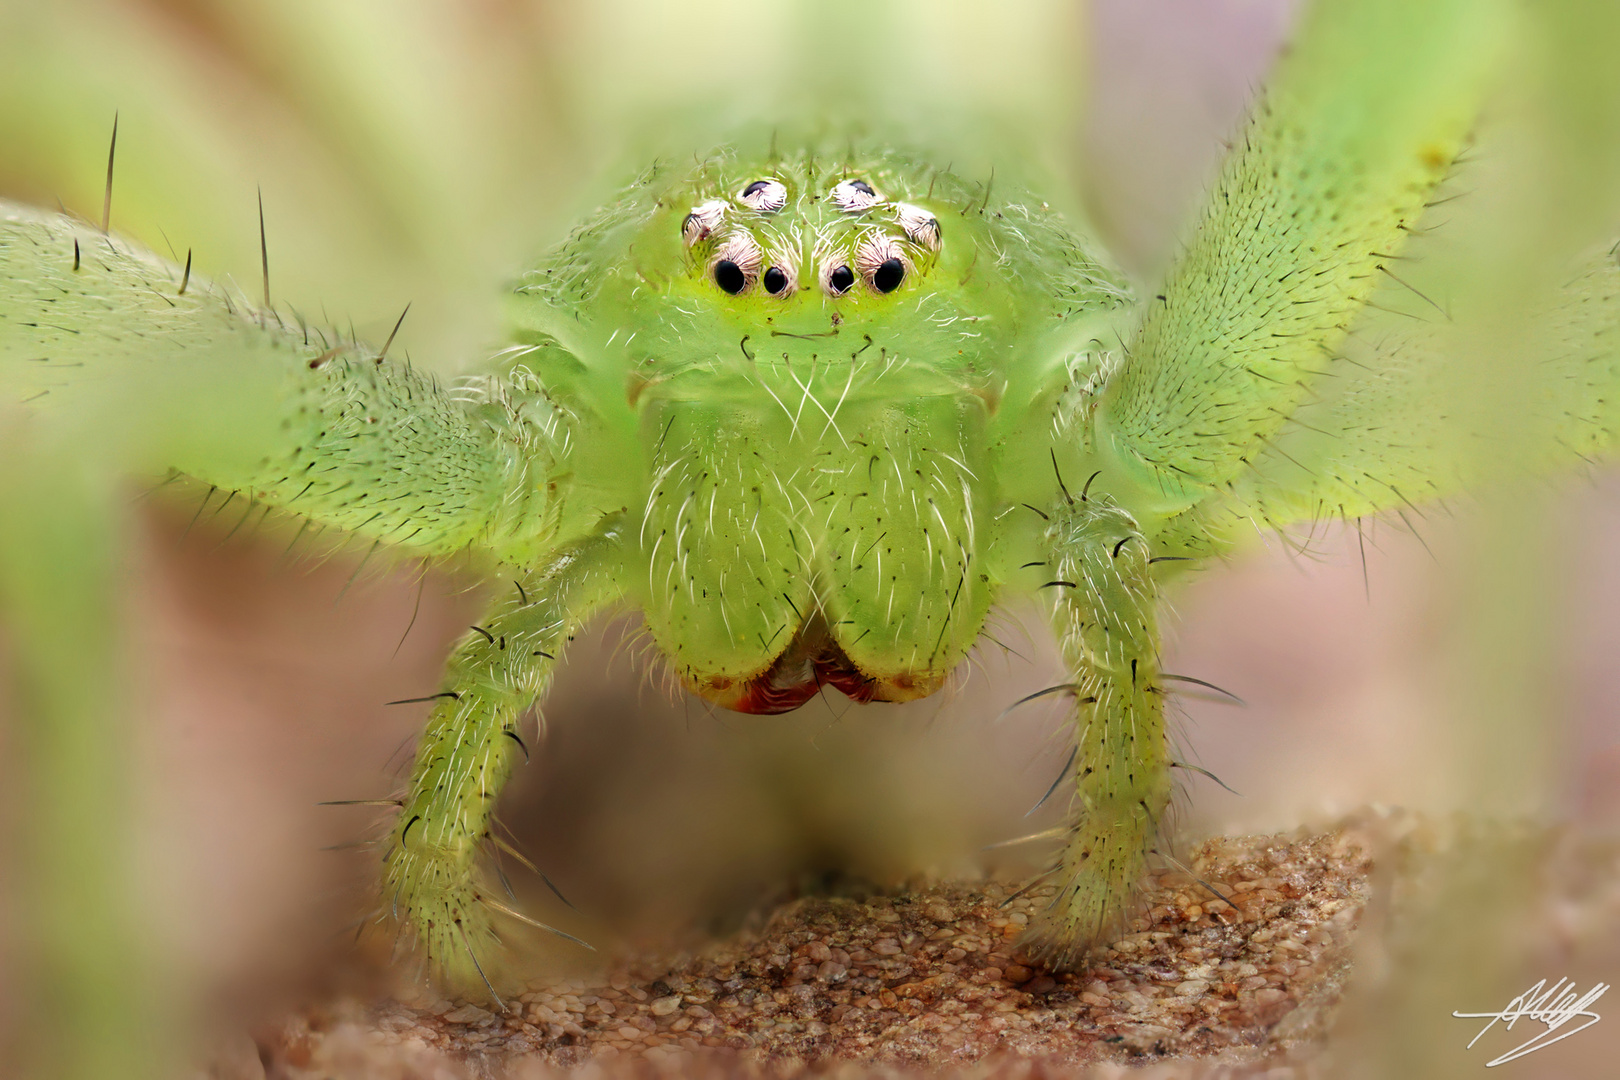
(730, 277)
(888, 276)
(703, 220)
(765, 196)
(840, 280)
(853, 196)
(775, 281)
(920, 226)
(881, 262)
(735, 264)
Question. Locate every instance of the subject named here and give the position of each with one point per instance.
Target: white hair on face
(921, 227)
(853, 196)
(703, 220)
(766, 196)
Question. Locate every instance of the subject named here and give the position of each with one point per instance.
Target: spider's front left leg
(468, 751)
(1103, 615)
(1362, 119)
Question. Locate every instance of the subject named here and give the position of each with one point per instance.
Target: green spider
(814, 407)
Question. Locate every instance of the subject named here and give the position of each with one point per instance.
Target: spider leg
(1426, 409)
(1105, 623)
(1363, 119)
(116, 363)
(150, 380)
(467, 754)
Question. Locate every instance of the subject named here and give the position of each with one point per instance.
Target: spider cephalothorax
(790, 328)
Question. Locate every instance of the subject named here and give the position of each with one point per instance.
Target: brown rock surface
(928, 978)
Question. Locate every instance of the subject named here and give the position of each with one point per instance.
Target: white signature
(1554, 1006)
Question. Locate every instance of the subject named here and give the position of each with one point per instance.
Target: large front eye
(774, 281)
(729, 276)
(736, 264)
(888, 276)
(881, 262)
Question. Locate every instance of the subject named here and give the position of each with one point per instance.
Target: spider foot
(1097, 887)
(436, 901)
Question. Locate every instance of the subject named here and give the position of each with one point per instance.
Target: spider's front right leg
(468, 751)
(1103, 614)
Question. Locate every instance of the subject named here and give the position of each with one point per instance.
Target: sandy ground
(928, 980)
(928, 977)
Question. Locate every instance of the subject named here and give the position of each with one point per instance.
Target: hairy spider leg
(466, 755)
(1103, 613)
(1321, 190)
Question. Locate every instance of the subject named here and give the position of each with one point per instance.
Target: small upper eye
(766, 196)
(888, 276)
(730, 277)
(853, 196)
(774, 280)
(840, 280)
(702, 221)
(920, 226)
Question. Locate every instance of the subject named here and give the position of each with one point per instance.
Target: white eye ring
(782, 261)
(735, 266)
(853, 196)
(921, 227)
(831, 264)
(766, 196)
(703, 220)
(876, 259)
(836, 277)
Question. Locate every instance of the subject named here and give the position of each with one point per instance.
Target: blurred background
(421, 152)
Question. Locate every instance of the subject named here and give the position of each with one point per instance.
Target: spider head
(800, 256)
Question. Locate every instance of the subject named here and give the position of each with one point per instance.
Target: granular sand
(925, 979)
